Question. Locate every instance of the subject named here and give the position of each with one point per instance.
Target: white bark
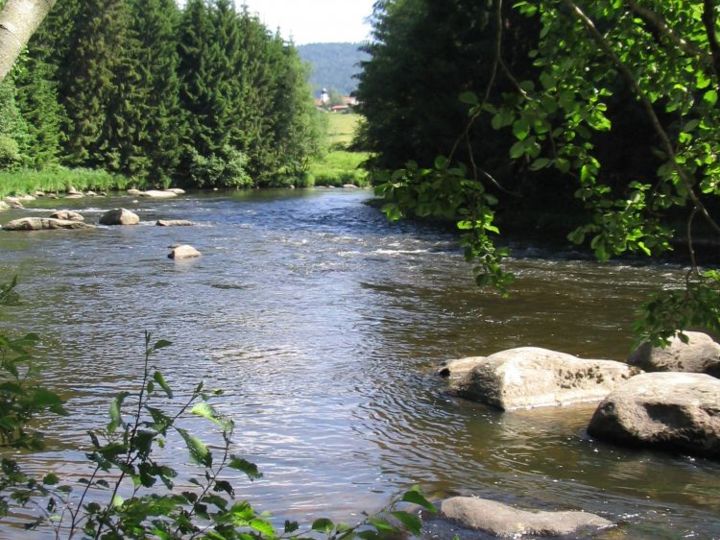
(18, 21)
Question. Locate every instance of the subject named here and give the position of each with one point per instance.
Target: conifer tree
(91, 65)
(14, 136)
(37, 98)
(154, 23)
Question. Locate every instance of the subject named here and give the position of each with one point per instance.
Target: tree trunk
(18, 21)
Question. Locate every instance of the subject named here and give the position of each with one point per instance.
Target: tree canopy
(637, 79)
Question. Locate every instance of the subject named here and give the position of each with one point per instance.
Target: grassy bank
(338, 165)
(58, 180)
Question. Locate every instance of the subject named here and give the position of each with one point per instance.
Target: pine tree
(14, 136)
(98, 37)
(155, 25)
(37, 98)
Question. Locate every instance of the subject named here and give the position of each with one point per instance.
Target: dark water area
(324, 324)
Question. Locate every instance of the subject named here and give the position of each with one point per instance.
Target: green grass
(341, 128)
(337, 168)
(59, 180)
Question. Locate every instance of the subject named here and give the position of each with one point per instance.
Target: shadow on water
(323, 323)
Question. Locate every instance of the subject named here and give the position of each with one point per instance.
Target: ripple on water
(323, 324)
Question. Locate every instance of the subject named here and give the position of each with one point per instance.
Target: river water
(324, 323)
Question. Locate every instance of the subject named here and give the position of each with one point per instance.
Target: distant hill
(334, 65)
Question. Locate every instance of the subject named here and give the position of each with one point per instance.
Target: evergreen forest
(201, 96)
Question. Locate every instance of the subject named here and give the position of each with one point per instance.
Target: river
(324, 324)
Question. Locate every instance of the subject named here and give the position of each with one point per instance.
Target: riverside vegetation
(153, 94)
(599, 118)
(130, 492)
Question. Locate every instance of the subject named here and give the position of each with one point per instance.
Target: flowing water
(324, 324)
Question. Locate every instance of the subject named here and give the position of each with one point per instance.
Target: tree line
(203, 96)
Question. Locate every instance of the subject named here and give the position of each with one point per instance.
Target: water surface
(324, 324)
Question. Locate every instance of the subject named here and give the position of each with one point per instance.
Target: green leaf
(160, 380)
(51, 479)
(263, 527)
(199, 452)
(710, 97)
(161, 344)
(414, 496)
(539, 163)
(250, 469)
(205, 410)
(469, 98)
(323, 525)
(116, 411)
(410, 521)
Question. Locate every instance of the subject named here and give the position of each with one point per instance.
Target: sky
(315, 21)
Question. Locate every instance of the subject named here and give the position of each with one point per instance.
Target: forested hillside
(203, 96)
(334, 65)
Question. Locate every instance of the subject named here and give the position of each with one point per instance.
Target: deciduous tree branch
(18, 21)
(708, 18)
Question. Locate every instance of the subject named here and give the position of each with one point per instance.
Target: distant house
(346, 103)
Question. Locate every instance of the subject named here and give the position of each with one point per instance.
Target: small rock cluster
(70, 220)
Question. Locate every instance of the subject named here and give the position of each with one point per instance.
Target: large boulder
(699, 355)
(183, 252)
(157, 194)
(668, 411)
(529, 377)
(501, 520)
(176, 191)
(119, 216)
(44, 224)
(67, 215)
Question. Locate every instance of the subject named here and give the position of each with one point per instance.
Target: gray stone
(350, 186)
(176, 191)
(529, 377)
(4, 206)
(44, 224)
(173, 223)
(501, 520)
(74, 196)
(67, 215)
(700, 355)
(72, 191)
(157, 194)
(184, 252)
(134, 192)
(119, 216)
(669, 411)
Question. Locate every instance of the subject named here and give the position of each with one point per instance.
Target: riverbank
(61, 180)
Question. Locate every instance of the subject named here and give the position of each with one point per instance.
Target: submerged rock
(67, 215)
(699, 355)
(119, 216)
(668, 411)
(529, 377)
(173, 223)
(501, 520)
(44, 224)
(184, 252)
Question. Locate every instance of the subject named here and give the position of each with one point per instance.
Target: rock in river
(44, 224)
(119, 216)
(529, 377)
(4, 206)
(183, 252)
(668, 411)
(67, 215)
(501, 520)
(173, 223)
(157, 194)
(699, 355)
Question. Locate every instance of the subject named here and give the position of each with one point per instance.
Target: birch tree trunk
(18, 21)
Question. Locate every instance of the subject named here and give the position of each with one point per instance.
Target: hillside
(333, 65)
